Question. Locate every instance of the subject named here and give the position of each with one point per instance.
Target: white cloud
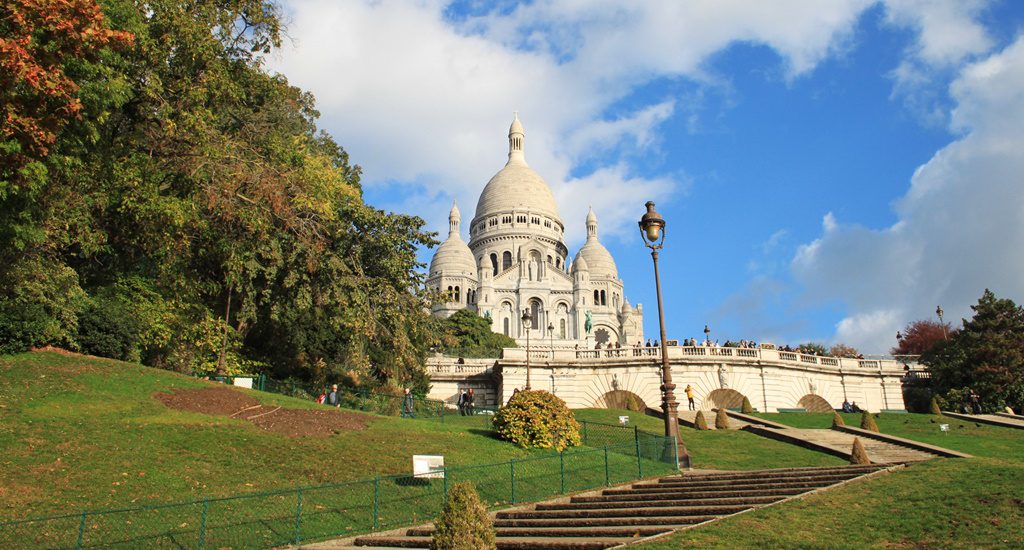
(422, 102)
(961, 223)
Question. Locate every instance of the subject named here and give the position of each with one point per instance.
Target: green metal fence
(305, 514)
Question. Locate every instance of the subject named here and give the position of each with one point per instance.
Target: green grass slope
(943, 503)
(79, 432)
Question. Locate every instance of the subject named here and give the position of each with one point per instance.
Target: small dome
(579, 264)
(598, 259)
(453, 258)
(626, 308)
(517, 127)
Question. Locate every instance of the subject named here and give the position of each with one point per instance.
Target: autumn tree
(843, 350)
(920, 336)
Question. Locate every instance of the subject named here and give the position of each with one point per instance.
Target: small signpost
(427, 466)
(944, 427)
(624, 420)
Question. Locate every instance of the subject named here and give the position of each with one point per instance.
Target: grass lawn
(80, 433)
(943, 503)
(721, 449)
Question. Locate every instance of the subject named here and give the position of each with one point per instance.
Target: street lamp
(527, 321)
(938, 311)
(551, 338)
(652, 230)
(707, 335)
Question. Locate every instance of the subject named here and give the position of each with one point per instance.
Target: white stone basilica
(517, 261)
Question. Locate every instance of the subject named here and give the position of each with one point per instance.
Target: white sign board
(944, 427)
(243, 382)
(623, 420)
(427, 466)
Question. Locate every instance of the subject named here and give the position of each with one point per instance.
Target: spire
(516, 137)
(454, 218)
(591, 225)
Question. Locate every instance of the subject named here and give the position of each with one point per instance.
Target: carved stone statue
(721, 377)
(812, 386)
(487, 315)
(589, 323)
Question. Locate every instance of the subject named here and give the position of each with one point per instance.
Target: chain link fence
(304, 514)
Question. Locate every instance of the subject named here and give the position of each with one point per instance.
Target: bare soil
(226, 401)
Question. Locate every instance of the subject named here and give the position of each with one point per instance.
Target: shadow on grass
(486, 433)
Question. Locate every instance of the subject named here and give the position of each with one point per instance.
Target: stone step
(678, 521)
(652, 502)
(737, 487)
(694, 495)
(694, 483)
(517, 543)
(624, 512)
(781, 472)
(572, 531)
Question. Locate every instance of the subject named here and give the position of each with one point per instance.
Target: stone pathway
(999, 419)
(688, 418)
(880, 452)
(633, 512)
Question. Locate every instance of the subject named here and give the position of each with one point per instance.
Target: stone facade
(517, 261)
(770, 379)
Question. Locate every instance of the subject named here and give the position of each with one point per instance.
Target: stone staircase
(625, 514)
(880, 452)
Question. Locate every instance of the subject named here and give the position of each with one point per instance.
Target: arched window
(506, 326)
(457, 296)
(597, 297)
(558, 262)
(549, 260)
(561, 326)
(506, 260)
(604, 299)
(535, 313)
(451, 292)
(494, 263)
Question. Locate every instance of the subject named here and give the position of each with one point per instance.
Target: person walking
(332, 397)
(462, 402)
(470, 411)
(408, 405)
(689, 397)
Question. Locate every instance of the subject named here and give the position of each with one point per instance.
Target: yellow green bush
(537, 418)
(464, 523)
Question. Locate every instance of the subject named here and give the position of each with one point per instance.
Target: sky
(828, 171)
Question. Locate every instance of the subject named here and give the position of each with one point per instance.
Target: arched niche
(621, 399)
(814, 404)
(723, 398)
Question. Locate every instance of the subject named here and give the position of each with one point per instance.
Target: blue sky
(830, 171)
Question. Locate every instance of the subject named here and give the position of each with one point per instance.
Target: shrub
(933, 407)
(858, 455)
(837, 420)
(108, 327)
(867, 422)
(537, 418)
(747, 407)
(721, 419)
(700, 422)
(39, 305)
(464, 523)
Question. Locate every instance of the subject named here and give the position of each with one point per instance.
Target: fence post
(606, 478)
(298, 518)
(561, 469)
(81, 532)
(376, 503)
(512, 469)
(445, 481)
(202, 523)
(639, 468)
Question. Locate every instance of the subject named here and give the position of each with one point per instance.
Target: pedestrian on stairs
(689, 397)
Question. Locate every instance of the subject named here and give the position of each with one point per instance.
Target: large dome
(516, 186)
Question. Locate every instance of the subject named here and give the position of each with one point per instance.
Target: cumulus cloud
(961, 223)
(422, 98)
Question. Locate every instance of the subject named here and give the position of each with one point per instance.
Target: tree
(464, 523)
(812, 348)
(985, 357)
(842, 350)
(471, 335)
(920, 336)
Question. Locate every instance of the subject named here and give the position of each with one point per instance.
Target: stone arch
(722, 397)
(814, 404)
(621, 399)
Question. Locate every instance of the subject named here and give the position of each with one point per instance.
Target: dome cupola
(453, 257)
(516, 186)
(596, 256)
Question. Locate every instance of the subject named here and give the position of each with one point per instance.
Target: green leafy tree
(985, 357)
(472, 335)
(812, 348)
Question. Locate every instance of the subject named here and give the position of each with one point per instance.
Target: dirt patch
(225, 401)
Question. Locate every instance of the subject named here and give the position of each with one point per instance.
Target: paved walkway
(880, 452)
(688, 418)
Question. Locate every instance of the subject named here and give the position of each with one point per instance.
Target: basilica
(517, 262)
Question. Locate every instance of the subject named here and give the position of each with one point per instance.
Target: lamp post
(527, 321)
(938, 311)
(652, 230)
(707, 336)
(551, 339)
